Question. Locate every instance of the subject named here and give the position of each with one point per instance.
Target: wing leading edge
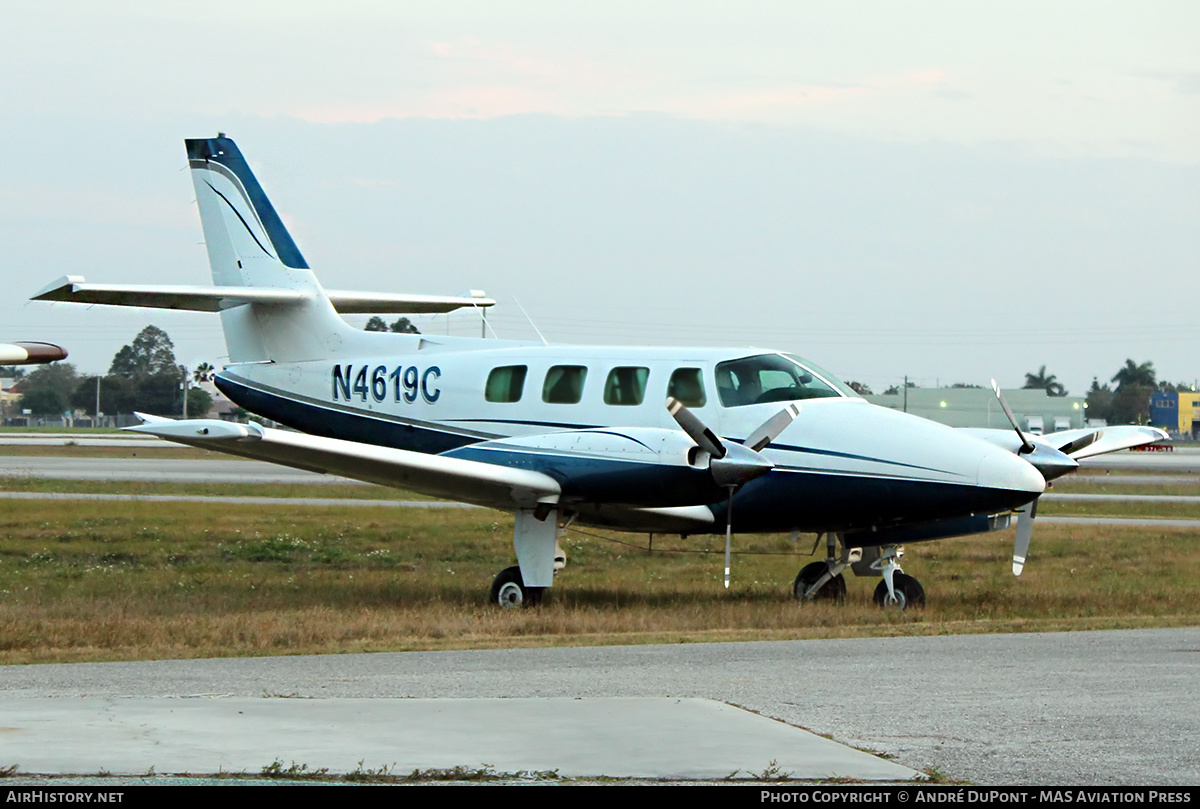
(474, 482)
(1078, 444)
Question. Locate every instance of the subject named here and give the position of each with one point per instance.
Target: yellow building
(1176, 412)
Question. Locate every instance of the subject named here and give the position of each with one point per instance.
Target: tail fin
(272, 307)
(248, 246)
(240, 224)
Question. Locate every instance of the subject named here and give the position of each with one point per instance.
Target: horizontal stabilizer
(434, 475)
(74, 289)
(382, 303)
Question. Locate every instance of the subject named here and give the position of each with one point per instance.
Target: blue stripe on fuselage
(850, 456)
(330, 422)
(785, 499)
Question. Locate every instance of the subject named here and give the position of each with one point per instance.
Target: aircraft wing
(1079, 444)
(30, 353)
(75, 289)
(475, 482)
(1097, 441)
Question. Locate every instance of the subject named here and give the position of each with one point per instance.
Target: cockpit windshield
(774, 378)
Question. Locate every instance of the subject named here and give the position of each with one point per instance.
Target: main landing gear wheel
(509, 590)
(833, 590)
(909, 593)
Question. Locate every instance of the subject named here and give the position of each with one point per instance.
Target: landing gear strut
(815, 582)
(908, 593)
(823, 581)
(897, 589)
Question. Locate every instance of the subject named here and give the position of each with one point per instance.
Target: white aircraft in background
(30, 353)
(561, 434)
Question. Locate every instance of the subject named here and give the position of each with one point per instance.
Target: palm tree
(1131, 400)
(1135, 375)
(203, 372)
(1043, 381)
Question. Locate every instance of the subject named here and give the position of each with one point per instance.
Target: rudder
(249, 246)
(240, 224)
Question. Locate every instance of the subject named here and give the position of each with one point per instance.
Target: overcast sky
(948, 190)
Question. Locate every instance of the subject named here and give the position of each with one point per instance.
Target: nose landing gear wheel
(509, 590)
(909, 593)
(833, 590)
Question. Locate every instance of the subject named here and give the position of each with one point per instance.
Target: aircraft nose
(1001, 469)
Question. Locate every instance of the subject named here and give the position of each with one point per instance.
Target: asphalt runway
(163, 470)
(1047, 709)
(1181, 459)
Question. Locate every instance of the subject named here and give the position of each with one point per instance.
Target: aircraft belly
(816, 501)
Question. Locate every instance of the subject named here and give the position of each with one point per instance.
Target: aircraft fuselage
(602, 431)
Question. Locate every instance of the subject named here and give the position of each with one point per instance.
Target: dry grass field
(137, 580)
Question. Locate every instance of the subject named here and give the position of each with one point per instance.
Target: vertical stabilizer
(248, 246)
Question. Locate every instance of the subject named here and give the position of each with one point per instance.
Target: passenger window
(505, 384)
(564, 384)
(626, 386)
(687, 385)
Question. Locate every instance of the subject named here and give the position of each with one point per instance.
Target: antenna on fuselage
(545, 342)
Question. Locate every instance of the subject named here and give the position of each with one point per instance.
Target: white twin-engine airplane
(763, 440)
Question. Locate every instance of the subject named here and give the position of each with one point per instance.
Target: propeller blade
(772, 427)
(734, 465)
(1024, 533)
(1026, 445)
(730, 465)
(705, 438)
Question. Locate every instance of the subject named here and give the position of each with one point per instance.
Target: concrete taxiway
(643, 738)
(1070, 708)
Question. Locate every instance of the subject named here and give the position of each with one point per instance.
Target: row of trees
(1127, 403)
(143, 376)
(400, 326)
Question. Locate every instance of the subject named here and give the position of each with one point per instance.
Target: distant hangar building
(1176, 412)
(1036, 411)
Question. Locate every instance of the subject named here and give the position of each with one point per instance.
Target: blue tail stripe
(224, 151)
